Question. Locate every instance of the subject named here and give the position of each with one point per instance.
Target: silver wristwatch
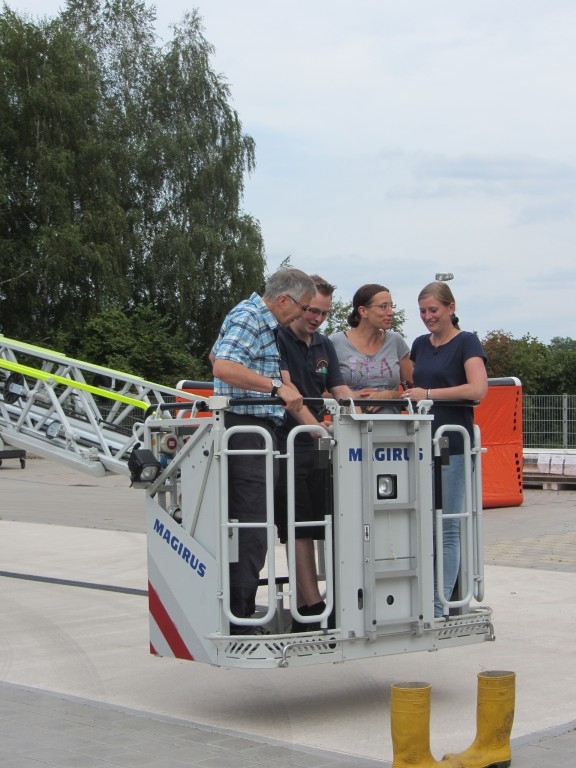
(276, 384)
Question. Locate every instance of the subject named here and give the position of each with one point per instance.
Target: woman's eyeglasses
(383, 306)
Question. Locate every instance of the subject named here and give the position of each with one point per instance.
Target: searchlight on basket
(144, 466)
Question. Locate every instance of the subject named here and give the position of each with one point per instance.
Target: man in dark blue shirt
(309, 362)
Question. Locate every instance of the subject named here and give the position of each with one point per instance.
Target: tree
(562, 369)
(188, 157)
(145, 344)
(338, 318)
(56, 240)
(497, 346)
(527, 358)
(123, 169)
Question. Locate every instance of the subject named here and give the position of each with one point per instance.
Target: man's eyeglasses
(315, 312)
(383, 306)
(302, 307)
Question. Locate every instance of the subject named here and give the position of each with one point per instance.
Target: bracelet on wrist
(428, 397)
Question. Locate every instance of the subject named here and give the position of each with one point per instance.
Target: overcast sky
(396, 139)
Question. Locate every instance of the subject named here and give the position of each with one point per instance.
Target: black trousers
(311, 498)
(247, 504)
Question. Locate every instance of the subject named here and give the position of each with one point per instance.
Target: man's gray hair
(290, 281)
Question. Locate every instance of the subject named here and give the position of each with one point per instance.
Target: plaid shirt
(248, 337)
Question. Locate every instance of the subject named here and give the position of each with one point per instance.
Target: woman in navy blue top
(449, 364)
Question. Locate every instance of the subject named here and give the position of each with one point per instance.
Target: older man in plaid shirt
(246, 362)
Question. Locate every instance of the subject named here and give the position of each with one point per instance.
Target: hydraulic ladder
(86, 416)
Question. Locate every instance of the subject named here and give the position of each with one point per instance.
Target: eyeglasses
(302, 307)
(383, 306)
(315, 312)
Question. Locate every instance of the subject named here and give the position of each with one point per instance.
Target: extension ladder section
(86, 416)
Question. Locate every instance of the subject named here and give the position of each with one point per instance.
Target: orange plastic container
(201, 388)
(499, 417)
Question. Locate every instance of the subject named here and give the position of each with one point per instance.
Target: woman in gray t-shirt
(374, 359)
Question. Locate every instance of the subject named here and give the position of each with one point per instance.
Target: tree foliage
(58, 252)
(145, 344)
(542, 369)
(122, 166)
(122, 179)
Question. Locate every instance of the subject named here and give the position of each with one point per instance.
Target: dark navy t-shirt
(443, 366)
(313, 369)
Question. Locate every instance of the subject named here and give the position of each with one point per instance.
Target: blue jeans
(453, 488)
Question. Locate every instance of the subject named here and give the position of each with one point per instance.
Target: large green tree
(59, 225)
(207, 255)
(122, 167)
(543, 369)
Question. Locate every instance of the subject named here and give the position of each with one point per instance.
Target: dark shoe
(313, 610)
(235, 629)
(308, 610)
(297, 627)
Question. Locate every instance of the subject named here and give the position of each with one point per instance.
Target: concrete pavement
(80, 688)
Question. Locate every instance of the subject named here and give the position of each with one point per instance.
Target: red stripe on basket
(167, 626)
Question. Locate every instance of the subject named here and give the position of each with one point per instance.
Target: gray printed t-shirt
(381, 370)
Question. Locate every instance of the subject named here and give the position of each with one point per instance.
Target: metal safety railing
(230, 528)
(471, 569)
(325, 522)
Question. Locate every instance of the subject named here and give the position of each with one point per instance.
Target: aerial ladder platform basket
(377, 563)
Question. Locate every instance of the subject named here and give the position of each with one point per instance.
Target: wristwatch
(276, 384)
